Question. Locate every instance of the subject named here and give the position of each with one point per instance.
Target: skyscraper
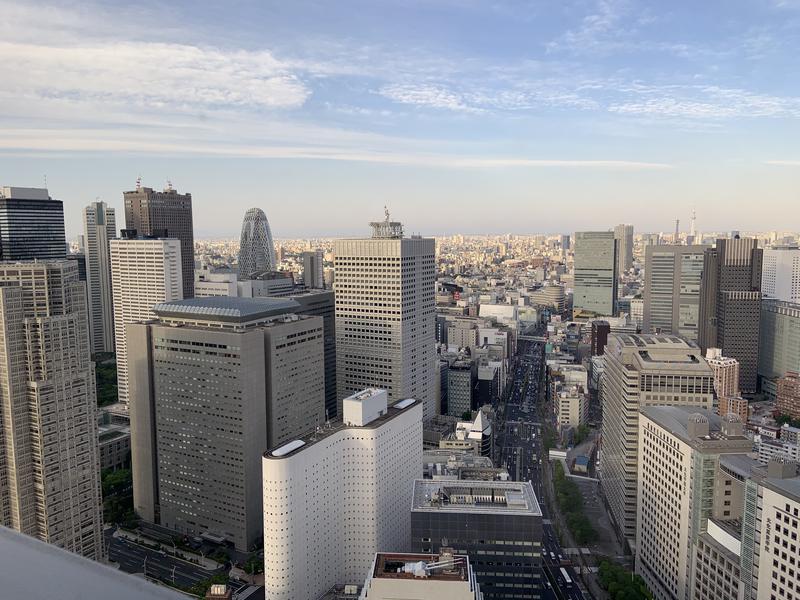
(642, 370)
(385, 334)
(624, 236)
(200, 420)
(779, 344)
(726, 373)
(256, 248)
(31, 225)
(99, 227)
(730, 304)
(595, 289)
(313, 272)
(164, 214)
(780, 279)
(673, 276)
(49, 462)
(144, 272)
(336, 496)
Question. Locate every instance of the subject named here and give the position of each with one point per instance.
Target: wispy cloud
(431, 96)
(783, 163)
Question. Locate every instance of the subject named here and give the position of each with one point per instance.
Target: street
(521, 452)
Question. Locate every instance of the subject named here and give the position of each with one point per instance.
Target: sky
(461, 116)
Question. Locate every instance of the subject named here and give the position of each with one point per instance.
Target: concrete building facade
(679, 453)
(779, 343)
(214, 382)
(596, 275)
(624, 236)
(164, 214)
(780, 275)
(333, 498)
(99, 228)
(144, 272)
(49, 461)
(673, 276)
(788, 395)
(642, 370)
(385, 296)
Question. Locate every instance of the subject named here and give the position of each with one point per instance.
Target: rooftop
(33, 569)
(676, 420)
(489, 497)
(290, 448)
(437, 567)
(226, 308)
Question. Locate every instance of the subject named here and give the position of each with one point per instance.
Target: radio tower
(692, 231)
(677, 231)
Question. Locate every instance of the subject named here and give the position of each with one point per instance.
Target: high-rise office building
(599, 338)
(564, 242)
(780, 275)
(164, 214)
(385, 295)
(256, 248)
(144, 272)
(672, 510)
(213, 383)
(779, 343)
(313, 269)
(788, 395)
(595, 289)
(99, 228)
(642, 370)
(673, 276)
(49, 462)
(335, 497)
(489, 520)
(624, 236)
(726, 373)
(31, 225)
(730, 304)
(461, 383)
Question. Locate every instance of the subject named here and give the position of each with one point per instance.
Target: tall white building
(726, 373)
(679, 455)
(334, 498)
(99, 227)
(642, 370)
(780, 274)
(144, 272)
(385, 330)
(49, 459)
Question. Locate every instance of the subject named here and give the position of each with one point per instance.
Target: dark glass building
(31, 225)
(498, 524)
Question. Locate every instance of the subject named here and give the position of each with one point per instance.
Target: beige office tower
(214, 382)
(144, 272)
(679, 455)
(642, 370)
(49, 463)
(726, 382)
(99, 228)
(385, 331)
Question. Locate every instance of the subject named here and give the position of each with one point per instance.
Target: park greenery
(570, 503)
(106, 376)
(622, 584)
(581, 433)
(787, 419)
(117, 489)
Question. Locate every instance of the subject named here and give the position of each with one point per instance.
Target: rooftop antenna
(138, 183)
(677, 229)
(45, 180)
(169, 185)
(692, 230)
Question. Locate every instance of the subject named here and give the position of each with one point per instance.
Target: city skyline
(601, 105)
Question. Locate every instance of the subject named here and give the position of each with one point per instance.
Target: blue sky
(462, 115)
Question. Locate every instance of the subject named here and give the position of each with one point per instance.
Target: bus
(566, 577)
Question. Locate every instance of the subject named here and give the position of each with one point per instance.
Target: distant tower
(99, 226)
(692, 229)
(256, 249)
(677, 231)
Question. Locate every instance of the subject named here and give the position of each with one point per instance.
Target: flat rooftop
(290, 448)
(407, 566)
(227, 308)
(487, 497)
(675, 419)
(33, 569)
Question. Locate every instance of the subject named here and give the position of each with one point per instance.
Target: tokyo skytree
(256, 250)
